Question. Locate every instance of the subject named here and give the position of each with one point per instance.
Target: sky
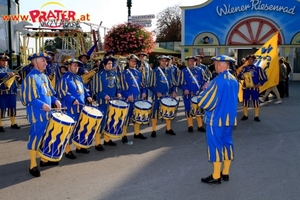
(110, 12)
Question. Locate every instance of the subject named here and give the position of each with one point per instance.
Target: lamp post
(129, 5)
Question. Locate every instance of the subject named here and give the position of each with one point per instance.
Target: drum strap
(193, 77)
(163, 74)
(134, 79)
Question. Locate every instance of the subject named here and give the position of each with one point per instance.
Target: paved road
(266, 163)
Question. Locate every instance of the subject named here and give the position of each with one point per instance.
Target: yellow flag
(267, 58)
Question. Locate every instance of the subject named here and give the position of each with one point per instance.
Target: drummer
(162, 84)
(132, 89)
(37, 94)
(191, 81)
(73, 95)
(106, 87)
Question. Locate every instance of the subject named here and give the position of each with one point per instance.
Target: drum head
(92, 111)
(119, 103)
(168, 101)
(144, 105)
(60, 117)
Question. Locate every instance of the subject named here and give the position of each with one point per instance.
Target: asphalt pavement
(266, 165)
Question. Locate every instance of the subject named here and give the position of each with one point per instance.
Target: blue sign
(241, 22)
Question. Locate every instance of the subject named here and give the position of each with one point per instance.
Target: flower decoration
(128, 38)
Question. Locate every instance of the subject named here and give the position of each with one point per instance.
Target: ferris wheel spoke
(265, 36)
(258, 30)
(250, 31)
(242, 36)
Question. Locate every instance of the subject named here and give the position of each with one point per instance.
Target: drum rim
(61, 121)
(143, 102)
(92, 115)
(118, 106)
(177, 102)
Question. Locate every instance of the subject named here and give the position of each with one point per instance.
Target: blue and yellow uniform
(54, 74)
(132, 84)
(187, 79)
(8, 93)
(161, 81)
(145, 69)
(259, 77)
(36, 91)
(219, 100)
(71, 88)
(105, 83)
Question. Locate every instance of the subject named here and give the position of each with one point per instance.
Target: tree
(169, 25)
(53, 44)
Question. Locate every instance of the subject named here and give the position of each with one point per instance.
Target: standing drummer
(106, 87)
(132, 89)
(191, 81)
(162, 84)
(37, 94)
(8, 96)
(73, 95)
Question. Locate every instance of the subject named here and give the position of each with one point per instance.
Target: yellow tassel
(1, 122)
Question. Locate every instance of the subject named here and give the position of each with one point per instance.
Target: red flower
(127, 38)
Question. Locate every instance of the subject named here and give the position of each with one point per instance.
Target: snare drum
(141, 112)
(56, 136)
(168, 108)
(87, 125)
(195, 109)
(115, 118)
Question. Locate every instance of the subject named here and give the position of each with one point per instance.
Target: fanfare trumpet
(88, 76)
(8, 80)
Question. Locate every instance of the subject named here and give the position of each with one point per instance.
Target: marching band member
(144, 68)
(37, 94)
(26, 70)
(8, 96)
(259, 77)
(105, 87)
(174, 69)
(191, 82)
(132, 89)
(161, 84)
(83, 67)
(53, 70)
(205, 69)
(73, 95)
(219, 100)
(108, 54)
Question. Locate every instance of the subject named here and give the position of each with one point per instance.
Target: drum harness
(133, 79)
(163, 74)
(194, 79)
